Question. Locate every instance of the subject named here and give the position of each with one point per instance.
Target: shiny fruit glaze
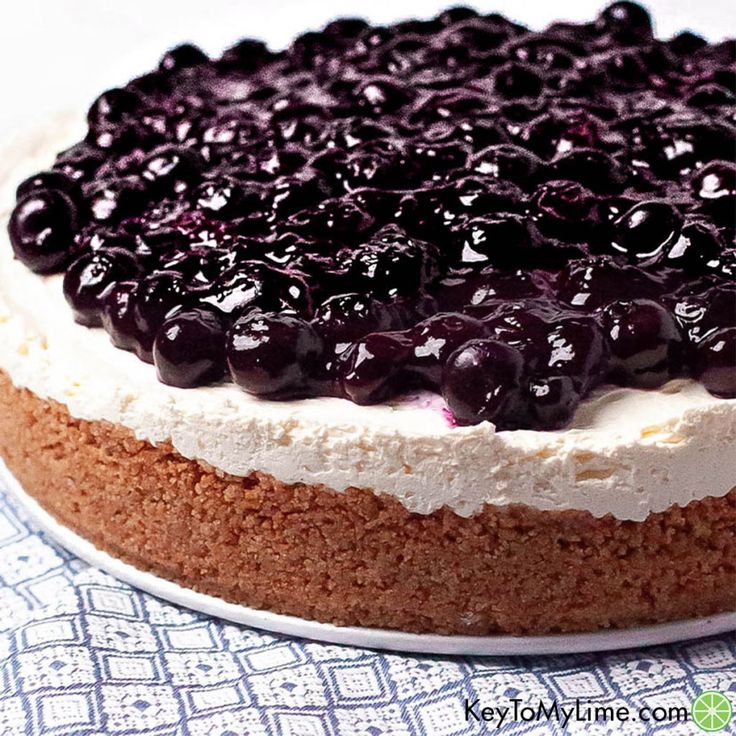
(506, 217)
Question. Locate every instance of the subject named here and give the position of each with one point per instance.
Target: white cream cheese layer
(628, 453)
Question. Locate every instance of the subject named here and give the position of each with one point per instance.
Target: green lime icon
(711, 711)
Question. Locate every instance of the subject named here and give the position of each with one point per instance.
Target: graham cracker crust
(360, 558)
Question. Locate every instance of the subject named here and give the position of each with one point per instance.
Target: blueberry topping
(247, 55)
(507, 217)
(189, 349)
(516, 80)
(591, 283)
(80, 162)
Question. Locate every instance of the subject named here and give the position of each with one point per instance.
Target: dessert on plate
(429, 326)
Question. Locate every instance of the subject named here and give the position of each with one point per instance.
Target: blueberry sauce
(505, 217)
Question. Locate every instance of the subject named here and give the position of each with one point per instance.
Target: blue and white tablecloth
(82, 654)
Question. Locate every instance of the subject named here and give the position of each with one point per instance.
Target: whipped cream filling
(627, 452)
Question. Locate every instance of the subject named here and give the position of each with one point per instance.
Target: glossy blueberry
(593, 282)
(714, 186)
(456, 14)
(573, 347)
(715, 363)
(200, 266)
(373, 368)
(112, 200)
(298, 192)
(189, 349)
(645, 342)
(117, 314)
(56, 181)
(346, 28)
(113, 107)
(182, 57)
(220, 198)
(517, 80)
(503, 240)
(246, 54)
(479, 133)
(646, 229)
(726, 265)
(381, 95)
(171, 168)
(681, 143)
(392, 263)
(591, 168)
(482, 381)
(80, 161)
(344, 318)
(554, 133)
(436, 338)
(625, 20)
(156, 298)
(91, 276)
(273, 355)
(563, 209)
(379, 204)
(155, 246)
(552, 401)
(42, 228)
(710, 95)
(235, 290)
(686, 43)
(506, 161)
(337, 220)
(523, 324)
(716, 180)
(387, 168)
(697, 245)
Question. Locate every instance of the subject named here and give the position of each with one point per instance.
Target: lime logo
(711, 711)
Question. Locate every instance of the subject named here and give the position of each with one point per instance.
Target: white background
(59, 54)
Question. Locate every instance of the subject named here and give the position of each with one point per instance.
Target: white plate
(355, 636)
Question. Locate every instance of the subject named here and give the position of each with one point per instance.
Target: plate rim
(354, 636)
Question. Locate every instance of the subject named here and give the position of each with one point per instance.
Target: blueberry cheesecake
(429, 326)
